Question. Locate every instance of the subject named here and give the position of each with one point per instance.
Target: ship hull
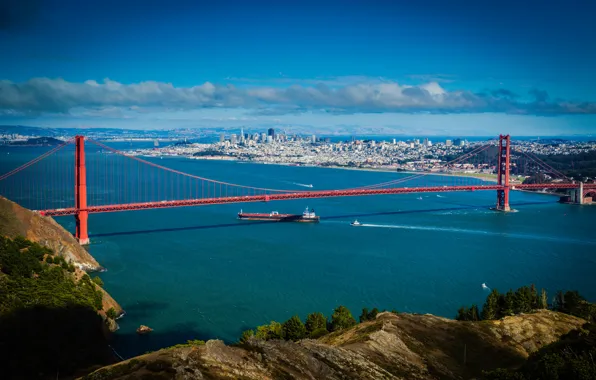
(279, 218)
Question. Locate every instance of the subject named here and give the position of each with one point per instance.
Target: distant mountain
(38, 141)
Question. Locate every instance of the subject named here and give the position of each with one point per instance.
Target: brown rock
(144, 329)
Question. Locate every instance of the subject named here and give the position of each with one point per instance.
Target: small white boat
(484, 286)
(419, 198)
(356, 223)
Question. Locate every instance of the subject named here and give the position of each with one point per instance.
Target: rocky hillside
(393, 346)
(19, 221)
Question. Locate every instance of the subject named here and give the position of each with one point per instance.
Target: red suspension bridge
(120, 181)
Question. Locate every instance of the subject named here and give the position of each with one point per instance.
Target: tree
(342, 319)
(522, 302)
(315, 321)
(111, 313)
(372, 315)
(293, 329)
(49, 260)
(98, 281)
(364, 316)
(506, 302)
(271, 331)
(491, 306)
(474, 314)
(533, 297)
(543, 303)
(246, 335)
(462, 314)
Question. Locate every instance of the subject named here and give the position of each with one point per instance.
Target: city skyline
(376, 67)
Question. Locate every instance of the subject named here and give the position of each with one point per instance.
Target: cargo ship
(308, 216)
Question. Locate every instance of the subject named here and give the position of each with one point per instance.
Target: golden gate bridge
(119, 181)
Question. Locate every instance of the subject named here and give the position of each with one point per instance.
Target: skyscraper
(241, 134)
(222, 137)
(271, 132)
(233, 138)
(448, 143)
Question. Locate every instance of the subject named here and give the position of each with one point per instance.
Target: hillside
(19, 221)
(393, 346)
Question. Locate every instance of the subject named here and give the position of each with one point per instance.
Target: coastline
(480, 176)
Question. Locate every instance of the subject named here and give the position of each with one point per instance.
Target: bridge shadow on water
(244, 224)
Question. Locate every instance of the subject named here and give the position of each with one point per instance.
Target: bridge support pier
(81, 192)
(503, 173)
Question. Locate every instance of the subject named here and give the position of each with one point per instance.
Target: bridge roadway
(302, 195)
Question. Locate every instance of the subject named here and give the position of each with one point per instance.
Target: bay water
(199, 273)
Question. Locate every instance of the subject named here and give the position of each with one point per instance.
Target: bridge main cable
(187, 174)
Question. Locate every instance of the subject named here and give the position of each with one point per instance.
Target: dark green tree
(372, 315)
(462, 314)
(342, 319)
(506, 303)
(364, 316)
(474, 313)
(490, 310)
(293, 329)
(315, 321)
(522, 302)
(49, 260)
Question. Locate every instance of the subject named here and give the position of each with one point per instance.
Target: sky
(427, 67)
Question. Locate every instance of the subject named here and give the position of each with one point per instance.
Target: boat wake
(485, 287)
(441, 196)
(302, 184)
(480, 232)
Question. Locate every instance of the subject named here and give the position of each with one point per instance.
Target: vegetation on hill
(527, 299)
(49, 324)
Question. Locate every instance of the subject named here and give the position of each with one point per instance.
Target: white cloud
(44, 95)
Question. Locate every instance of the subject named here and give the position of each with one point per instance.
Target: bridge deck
(302, 195)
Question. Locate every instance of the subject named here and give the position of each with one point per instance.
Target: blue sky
(423, 67)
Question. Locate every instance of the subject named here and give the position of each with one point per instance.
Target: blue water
(197, 272)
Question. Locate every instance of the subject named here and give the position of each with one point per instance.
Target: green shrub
(271, 331)
(98, 281)
(318, 333)
(111, 313)
(49, 260)
(246, 335)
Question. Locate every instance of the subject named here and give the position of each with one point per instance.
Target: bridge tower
(81, 191)
(503, 173)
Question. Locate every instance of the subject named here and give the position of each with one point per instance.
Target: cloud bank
(43, 95)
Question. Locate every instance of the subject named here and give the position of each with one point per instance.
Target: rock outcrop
(19, 221)
(394, 346)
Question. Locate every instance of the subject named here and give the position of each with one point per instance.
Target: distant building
(233, 138)
(394, 141)
(271, 132)
(457, 142)
(313, 139)
(263, 137)
(448, 143)
(241, 134)
(269, 139)
(255, 136)
(222, 137)
(155, 144)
